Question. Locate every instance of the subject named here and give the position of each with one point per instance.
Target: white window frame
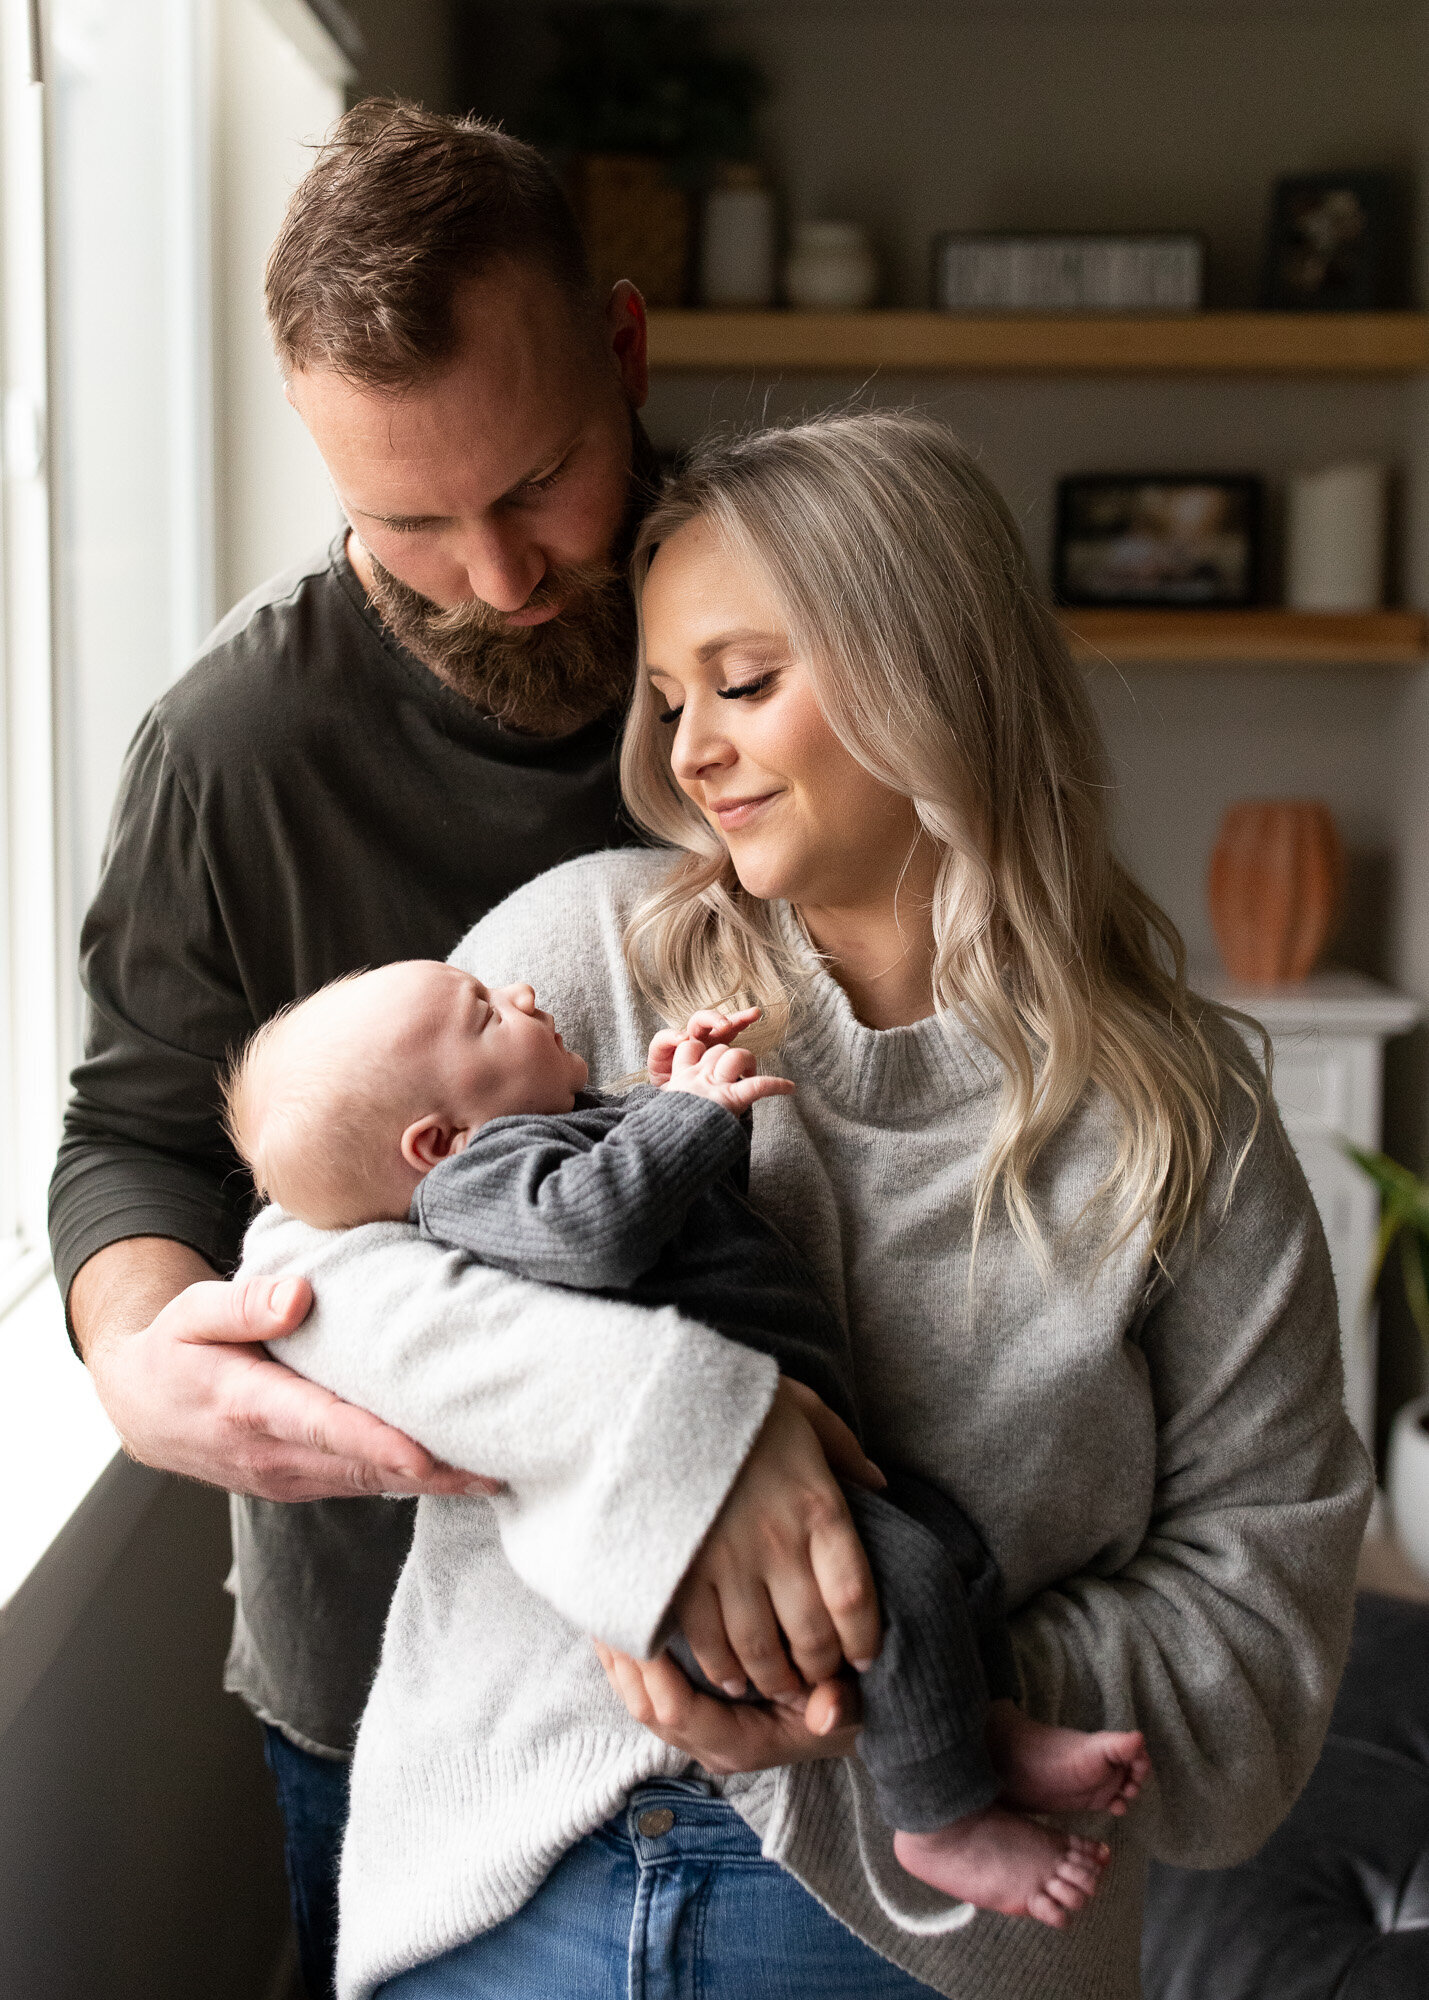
(30, 1007)
(69, 1498)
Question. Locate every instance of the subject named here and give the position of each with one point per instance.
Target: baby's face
(486, 1051)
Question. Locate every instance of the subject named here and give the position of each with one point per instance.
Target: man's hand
(185, 1381)
(709, 1028)
(733, 1737)
(783, 1566)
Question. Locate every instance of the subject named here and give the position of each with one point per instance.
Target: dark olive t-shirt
(307, 800)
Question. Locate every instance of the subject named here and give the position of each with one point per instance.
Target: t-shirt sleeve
(143, 1151)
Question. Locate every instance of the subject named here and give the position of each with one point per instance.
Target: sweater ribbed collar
(928, 1066)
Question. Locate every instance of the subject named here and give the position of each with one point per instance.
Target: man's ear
(628, 335)
(429, 1140)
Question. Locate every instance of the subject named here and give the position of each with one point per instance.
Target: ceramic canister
(737, 262)
(831, 268)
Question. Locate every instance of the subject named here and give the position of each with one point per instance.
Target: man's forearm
(124, 1286)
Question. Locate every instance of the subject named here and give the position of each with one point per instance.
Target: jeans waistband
(680, 1819)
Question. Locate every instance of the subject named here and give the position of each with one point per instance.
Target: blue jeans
(312, 1797)
(670, 1900)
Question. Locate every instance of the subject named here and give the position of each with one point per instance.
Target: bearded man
(370, 752)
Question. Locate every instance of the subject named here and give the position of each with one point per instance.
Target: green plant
(631, 76)
(1404, 1219)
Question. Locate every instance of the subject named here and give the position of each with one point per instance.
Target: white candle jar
(1335, 524)
(831, 268)
(737, 251)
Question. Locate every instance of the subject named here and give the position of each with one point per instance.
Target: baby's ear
(429, 1140)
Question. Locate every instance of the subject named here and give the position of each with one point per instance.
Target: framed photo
(1337, 243)
(1149, 539)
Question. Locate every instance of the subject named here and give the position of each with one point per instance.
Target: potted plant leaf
(1404, 1224)
(641, 106)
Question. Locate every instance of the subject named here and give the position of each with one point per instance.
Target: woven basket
(636, 224)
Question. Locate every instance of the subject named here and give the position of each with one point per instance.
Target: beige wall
(408, 49)
(914, 118)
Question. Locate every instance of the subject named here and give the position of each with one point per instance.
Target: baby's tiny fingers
(709, 1025)
(750, 1089)
(741, 1096)
(721, 1065)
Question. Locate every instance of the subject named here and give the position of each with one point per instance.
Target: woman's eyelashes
(740, 691)
(743, 690)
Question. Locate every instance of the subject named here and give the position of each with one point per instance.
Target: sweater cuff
(680, 1449)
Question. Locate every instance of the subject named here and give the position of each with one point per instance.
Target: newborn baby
(414, 1092)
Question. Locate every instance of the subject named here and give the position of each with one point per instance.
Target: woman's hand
(731, 1737)
(783, 1564)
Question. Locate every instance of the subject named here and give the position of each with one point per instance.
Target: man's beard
(549, 679)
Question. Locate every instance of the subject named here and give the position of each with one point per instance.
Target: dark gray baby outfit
(644, 1197)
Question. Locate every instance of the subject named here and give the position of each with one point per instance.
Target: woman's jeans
(670, 1900)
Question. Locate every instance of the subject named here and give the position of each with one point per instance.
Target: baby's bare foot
(1044, 1769)
(1000, 1861)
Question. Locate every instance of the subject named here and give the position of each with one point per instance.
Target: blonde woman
(1086, 1287)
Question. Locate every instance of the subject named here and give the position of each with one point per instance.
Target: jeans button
(655, 1821)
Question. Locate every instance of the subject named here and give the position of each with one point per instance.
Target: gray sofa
(1336, 1904)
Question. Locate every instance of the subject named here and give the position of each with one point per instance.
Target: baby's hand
(709, 1028)
(724, 1076)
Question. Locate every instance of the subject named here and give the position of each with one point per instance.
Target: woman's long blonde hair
(940, 667)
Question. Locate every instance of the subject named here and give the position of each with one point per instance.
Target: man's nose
(502, 565)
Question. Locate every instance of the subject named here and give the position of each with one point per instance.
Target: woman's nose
(700, 746)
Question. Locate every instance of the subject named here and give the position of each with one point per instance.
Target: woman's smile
(731, 814)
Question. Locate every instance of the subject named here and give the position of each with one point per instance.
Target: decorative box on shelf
(1328, 1036)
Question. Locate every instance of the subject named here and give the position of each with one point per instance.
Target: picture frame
(1158, 540)
(1337, 242)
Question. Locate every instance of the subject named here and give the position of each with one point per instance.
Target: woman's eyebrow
(744, 636)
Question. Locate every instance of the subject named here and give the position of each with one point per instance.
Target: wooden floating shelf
(1307, 638)
(1238, 343)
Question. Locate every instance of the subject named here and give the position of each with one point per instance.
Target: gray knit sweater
(1165, 1475)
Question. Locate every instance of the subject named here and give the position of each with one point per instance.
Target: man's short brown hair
(400, 208)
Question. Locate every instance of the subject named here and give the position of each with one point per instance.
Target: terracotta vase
(636, 224)
(1277, 874)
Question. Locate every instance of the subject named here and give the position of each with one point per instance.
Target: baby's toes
(1079, 1874)
(1071, 1895)
(1046, 1911)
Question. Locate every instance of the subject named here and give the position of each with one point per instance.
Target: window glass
(128, 207)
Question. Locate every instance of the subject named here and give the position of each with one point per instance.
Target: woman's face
(802, 819)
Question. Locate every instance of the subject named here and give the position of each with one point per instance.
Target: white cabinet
(1328, 1035)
